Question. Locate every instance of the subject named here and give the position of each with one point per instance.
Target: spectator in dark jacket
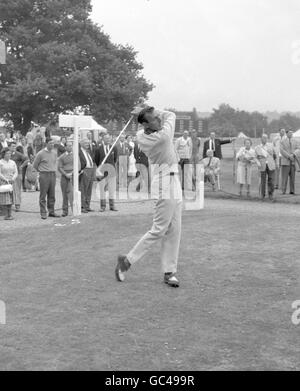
(215, 144)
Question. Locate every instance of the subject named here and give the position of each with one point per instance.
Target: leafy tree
(221, 121)
(286, 121)
(259, 124)
(59, 60)
(227, 121)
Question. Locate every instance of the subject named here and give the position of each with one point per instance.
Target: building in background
(185, 120)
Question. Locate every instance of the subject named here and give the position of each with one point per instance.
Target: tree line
(227, 121)
(60, 61)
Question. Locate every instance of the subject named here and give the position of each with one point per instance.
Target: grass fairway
(239, 276)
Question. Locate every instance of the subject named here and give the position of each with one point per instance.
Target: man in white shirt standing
(184, 147)
(156, 141)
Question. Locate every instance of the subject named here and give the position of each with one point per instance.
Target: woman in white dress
(246, 158)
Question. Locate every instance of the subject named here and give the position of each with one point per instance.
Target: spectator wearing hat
(45, 163)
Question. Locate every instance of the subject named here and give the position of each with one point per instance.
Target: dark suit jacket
(82, 159)
(100, 155)
(218, 149)
(140, 157)
(92, 150)
(112, 157)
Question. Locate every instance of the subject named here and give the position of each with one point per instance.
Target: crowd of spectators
(32, 162)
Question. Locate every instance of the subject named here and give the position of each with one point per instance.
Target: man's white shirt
(89, 161)
(184, 147)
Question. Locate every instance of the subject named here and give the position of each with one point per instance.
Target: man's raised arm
(168, 120)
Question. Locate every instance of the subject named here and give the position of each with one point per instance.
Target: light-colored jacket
(247, 157)
(211, 165)
(266, 155)
(287, 149)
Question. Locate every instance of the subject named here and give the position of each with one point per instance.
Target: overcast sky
(200, 53)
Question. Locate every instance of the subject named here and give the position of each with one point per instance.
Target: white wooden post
(198, 203)
(2, 312)
(2, 53)
(76, 122)
(76, 192)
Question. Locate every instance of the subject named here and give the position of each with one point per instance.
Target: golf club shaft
(115, 142)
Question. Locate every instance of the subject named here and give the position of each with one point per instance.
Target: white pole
(198, 203)
(76, 192)
(2, 53)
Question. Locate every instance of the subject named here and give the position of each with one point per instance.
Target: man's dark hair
(3, 152)
(141, 117)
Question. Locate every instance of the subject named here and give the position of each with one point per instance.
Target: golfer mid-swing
(156, 141)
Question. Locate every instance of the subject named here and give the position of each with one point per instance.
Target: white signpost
(198, 202)
(2, 53)
(76, 122)
(2, 312)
